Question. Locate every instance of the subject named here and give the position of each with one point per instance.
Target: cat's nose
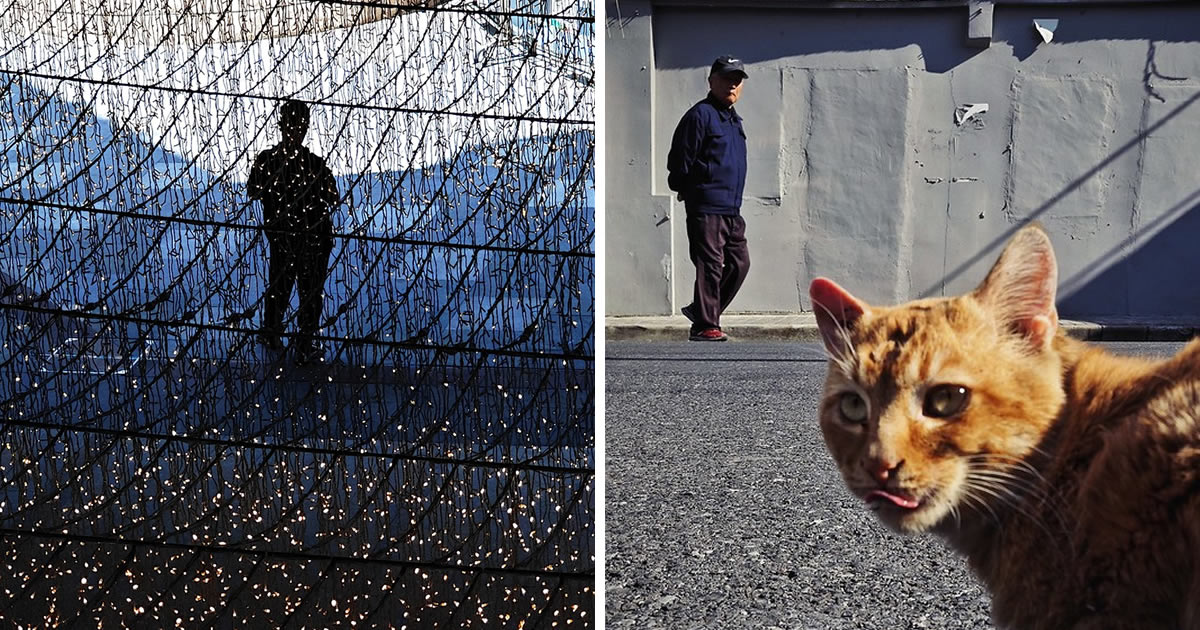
(881, 469)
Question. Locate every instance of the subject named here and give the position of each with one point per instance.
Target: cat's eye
(945, 401)
(853, 407)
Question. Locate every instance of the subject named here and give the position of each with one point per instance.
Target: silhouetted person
(297, 192)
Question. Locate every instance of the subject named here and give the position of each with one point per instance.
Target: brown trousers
(717, 244)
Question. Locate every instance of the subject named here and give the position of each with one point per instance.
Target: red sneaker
(708, 334)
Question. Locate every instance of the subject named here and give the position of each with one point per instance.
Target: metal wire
(159, 465)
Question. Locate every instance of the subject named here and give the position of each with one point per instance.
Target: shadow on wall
(992, 248)
(1014, 26)
(939, 33)
(1151, 266)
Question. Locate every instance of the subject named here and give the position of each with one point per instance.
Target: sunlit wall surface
(159, 466)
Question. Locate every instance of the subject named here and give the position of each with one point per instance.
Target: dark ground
(434, 491)
(724, 510)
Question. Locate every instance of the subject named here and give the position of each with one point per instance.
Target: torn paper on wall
(968, 111)
(1045, 28)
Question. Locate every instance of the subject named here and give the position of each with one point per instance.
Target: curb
(736, 332)
(676, 329)
(1132, 332)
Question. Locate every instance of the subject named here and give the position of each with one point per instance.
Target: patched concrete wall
(863, 170)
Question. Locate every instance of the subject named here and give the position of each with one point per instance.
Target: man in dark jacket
(297, 192)
(707, 167)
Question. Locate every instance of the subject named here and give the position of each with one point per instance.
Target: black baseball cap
(728, 65)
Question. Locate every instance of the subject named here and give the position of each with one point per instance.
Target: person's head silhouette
(293, 122)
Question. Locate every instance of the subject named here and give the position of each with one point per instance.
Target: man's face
(293, 129)
(726, 88)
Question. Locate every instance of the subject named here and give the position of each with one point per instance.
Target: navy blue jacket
(707, 162)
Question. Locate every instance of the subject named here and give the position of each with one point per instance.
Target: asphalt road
(724, 510)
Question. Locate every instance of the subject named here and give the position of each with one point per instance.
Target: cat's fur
(1070, 477)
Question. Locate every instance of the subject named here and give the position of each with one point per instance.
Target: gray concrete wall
(861, 172)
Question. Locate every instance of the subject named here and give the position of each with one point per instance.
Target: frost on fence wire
(159, 465)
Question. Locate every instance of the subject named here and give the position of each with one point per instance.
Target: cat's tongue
(899, 501)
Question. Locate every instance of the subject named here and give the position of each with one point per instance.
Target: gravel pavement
(724, 510)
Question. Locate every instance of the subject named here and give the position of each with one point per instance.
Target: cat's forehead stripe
(898, 347)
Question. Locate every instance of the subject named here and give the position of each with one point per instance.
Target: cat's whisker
(1018, 485)
(845, 359)
(1006, 457)
(956, 514)
(1027, 478)
(995, 490)
(1001, 494)
(969, 497)
(1039, 450)
(980, 491)
(995, 483)
(1019, 462)
(1011, 468)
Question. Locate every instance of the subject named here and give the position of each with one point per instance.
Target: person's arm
(256, 188)
(682, 162)
(328, 191)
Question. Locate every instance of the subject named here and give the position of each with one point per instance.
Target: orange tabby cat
(1067, 476)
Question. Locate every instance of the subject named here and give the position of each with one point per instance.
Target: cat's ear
(836, 312)
(1020, 288)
